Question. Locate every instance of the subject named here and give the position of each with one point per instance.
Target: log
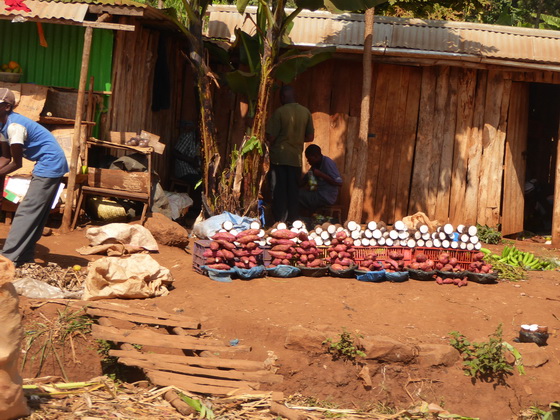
(283, 411)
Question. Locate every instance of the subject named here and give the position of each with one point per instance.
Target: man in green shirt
(289, 128)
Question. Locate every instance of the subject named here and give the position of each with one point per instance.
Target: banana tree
(272, 24)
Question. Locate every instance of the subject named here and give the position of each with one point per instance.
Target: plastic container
(198, 260)
(313, 271)
(370, 276)
(397, 276)
(451, 274)
(348, 273)
(283, 271)
(482, 278)
(10, 77)
(422, 275)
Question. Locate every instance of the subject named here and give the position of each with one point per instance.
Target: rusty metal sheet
(323, 28)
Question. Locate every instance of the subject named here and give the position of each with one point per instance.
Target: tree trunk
(357, 200)
(210, 154)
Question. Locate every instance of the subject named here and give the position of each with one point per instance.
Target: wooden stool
(334, 211)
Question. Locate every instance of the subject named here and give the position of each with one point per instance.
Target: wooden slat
(215, 362)
(148, 338)
(140, 319)
(183, 382)
(377, 125)
(420, 189)
(497, 103)
(514, 167)
(388, 140)
(448, 118)
(350, 150)
(475, 151)
(320, 105)
(155, 364)
(159, 314)
(408, 141)
(465, 111)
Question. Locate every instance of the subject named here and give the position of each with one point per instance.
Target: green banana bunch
(527, 260)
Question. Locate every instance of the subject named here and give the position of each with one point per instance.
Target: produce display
(230, 248)
(341, 252)
(448, 255)
(293, 246)
(527, 260)
(11, 67)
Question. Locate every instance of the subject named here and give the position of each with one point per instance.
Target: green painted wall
(59, 64)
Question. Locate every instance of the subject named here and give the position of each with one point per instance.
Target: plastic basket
(370, 276)
(397, 276)
(482, 278)
(347, 273)
(463, 256)
(198, 260)
(313, 271)
(421, 275)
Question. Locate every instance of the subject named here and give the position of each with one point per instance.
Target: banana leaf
(295, 62)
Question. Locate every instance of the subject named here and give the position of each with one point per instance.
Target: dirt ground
(262, 313)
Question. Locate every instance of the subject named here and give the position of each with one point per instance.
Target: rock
(47, 231)
(387, 349)
(166, 231)
(533, 356)
(304, 339)
(437, 355)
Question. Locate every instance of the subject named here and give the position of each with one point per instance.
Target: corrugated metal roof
(61, 11)
(50, 10)
(347, 30)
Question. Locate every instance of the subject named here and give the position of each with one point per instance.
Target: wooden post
(357, 195)
(67, 216)
(556, 208)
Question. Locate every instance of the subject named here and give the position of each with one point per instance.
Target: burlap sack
(12, 401)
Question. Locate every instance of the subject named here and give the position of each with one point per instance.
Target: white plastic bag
(37, 289)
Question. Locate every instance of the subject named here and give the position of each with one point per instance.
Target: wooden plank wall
(440, 135)
(134, 60)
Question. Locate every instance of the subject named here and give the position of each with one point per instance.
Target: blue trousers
(30, 219)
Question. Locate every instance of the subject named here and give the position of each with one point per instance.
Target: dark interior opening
(542, 139)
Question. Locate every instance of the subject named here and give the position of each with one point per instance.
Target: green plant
(536, 413)
(203, 411)
(345, 348)
(487, 359)
(489, 235)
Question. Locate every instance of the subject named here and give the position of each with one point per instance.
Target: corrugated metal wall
(59, 64)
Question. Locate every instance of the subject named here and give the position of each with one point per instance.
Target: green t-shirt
(289, 125)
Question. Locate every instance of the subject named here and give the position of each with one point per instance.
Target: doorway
(542, 141)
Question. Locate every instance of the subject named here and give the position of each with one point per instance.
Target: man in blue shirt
(323, 181)
(21, 137)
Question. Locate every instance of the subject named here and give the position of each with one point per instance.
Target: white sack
(136, 276)
(122, 233)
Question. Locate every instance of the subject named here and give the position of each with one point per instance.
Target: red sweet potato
(219, 266)
(226, 236)
(250, 246)
(208, 253)
(278, 254)
(256, 251)
(214, 246)
(240, 253)
(248, 232)
(225, 244)
(303, 259)
(276, 241)
(285, 262)
(247, 239)
(315, 263)
(283, 234)
(282, 248)
(228, 255)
